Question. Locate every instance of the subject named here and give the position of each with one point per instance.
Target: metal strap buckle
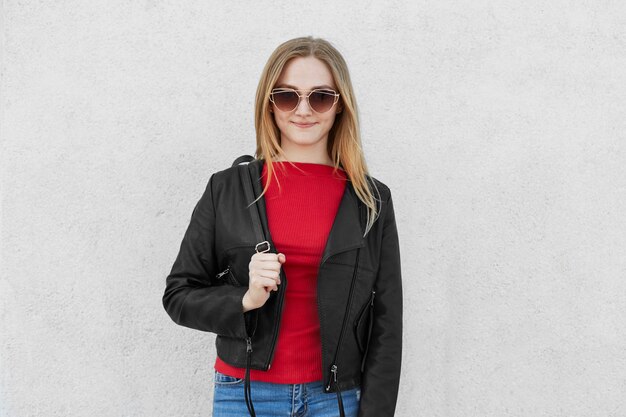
(263, 249)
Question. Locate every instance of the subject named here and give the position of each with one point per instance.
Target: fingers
(268, 273)
(273, 259)
(265, 262)
(265, 271)
(262, 282)
(267, 256)
(265, 275)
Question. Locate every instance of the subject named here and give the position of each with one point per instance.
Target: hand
(264, 278)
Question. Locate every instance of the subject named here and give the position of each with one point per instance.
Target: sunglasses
(288, 99)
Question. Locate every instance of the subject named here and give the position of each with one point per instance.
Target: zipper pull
(248, 344)
(221, 274)
(373, 295)
(333, 370)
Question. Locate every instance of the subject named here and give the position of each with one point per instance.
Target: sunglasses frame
(288, 90)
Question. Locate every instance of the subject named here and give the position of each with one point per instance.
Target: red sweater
(300, 215)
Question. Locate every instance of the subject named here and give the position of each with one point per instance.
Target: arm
(192, 298)
(381, 376)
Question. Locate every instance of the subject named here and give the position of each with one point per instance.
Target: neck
(314, 154)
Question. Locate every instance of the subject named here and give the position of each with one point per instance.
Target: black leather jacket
(209, 278)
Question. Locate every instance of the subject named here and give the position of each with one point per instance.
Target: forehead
(306, 73)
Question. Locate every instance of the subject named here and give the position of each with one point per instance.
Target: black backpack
(243, 159)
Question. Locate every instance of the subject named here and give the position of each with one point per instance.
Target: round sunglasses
(288, 99)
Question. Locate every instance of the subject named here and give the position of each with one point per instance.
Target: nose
(303, 107)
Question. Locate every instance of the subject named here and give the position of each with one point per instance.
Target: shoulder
(382, 195)
(379, 189)
(226, 177)
(226, 173)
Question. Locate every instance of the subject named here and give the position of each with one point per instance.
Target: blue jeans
(284, 400)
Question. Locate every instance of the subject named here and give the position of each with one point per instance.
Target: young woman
(293, 259)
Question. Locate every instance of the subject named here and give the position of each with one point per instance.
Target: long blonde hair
(344, 139)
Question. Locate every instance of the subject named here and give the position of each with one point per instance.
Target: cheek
(328, 121)
(281, 122)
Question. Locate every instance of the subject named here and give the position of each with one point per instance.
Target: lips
(303, 125)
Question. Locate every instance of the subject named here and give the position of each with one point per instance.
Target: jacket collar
(346, 232)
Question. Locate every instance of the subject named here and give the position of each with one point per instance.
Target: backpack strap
(262, 246)
(242, 159)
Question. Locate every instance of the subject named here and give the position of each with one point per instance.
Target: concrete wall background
(498, 125)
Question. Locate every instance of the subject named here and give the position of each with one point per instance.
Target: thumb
(281, 258)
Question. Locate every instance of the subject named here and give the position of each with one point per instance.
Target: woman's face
(303, 127)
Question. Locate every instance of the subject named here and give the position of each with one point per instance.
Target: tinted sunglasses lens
(285, 100)
(321, 101)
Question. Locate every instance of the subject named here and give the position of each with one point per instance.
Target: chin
(304, 140)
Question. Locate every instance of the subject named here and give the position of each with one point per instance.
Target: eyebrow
(296, 88)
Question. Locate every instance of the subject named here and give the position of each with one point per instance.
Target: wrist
(245, 302)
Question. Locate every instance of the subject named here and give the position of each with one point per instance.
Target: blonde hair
(344, 140)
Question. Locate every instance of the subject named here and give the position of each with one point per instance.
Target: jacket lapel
(346, 232)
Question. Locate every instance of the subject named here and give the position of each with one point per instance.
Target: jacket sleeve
(192, 296)
(381, 375)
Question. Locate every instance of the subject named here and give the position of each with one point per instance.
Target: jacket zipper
(318, 299)
(369, 305)
(369, 330)
(224, 272)
(281, 294)
(334, 369)
(230, 278)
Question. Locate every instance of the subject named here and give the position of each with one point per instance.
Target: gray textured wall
(499, 126)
